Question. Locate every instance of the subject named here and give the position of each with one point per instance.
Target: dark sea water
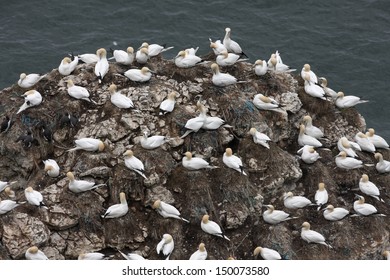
(348, 42)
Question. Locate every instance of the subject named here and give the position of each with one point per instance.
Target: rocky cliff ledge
(72, 224)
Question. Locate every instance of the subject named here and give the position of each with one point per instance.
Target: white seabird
(142, 55)
(349, 147)
(260, 67)
(78, 186)
(34, 197)
(292, 201)
(343, 101)
(67, 66)
(313, 89)
(77, 92)
(166, 246)
(27, 81)
(7, 205)
(31, 98)
(275, 64)
(382, 166)
(304, 139)
(139, 75)
(274, 217)
(152, 142)
(168, 104)
(4, 184)
(88, 144)
(321, 197)
(369, 188)
(306, 70)
(365, 209)
(33, 253)
(312, 236)
(118, 99)
(222, 79)
(133, 163)
(263, 102)
(186, 60)
(51, 167)
(94, 256)
(233, 161)
(364, 143)
(131, 256)
(124, 57)
(228, 59)
(211, 227)
(167, 211)
(155, 49)
(342, 161)
(194, 163)
(117, 210)
(308, 154)
(335, 214)
(259, 137)
(210, 123)
(200, 254)
(230, 45)
(102, 66)
(378, 141)
(310, 129)
(328, 91)
(196, 123)
(266, 253)
(88, 58)
(217, 46)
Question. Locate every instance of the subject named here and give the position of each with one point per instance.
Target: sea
(348, 42)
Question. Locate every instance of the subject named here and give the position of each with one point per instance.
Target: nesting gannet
(167, 211)
(310, 129)
(31, 98)
(228, 59)
(222, 79)
(94, 256)
(275, 64)
(124, 57)
(78, 186)
(51, 167)
(343, 101)
(304, 139)
(152, 142)
(88, 58)
(321, 196)
(200, 254)
(117, 210)
(11, 194)
(211, 227)
(260, 67)
(142, 55)
(118, 99)
(349, 147)
(382, 166)
(77, 92)
(342, 161)
(168, 104)
(210, 123)
(67, 66)
(196, 123)
(195, 163)
(4, 184)
(217, 46)
(274, 217)
(377, 140)
(364, 143)
(5, 124)
(369, 188)
(33, 253)
(88, 144)
(308, 154)
(328, 91)
(306, 70)
(364, 209)
(266, 253)
(27, 81)
(131, 256)
(34, 197)
(7, 205)
(335, 214)
(134, 163)
(139, 75)
(263, 102)
(292, 201)
(185, 60)
(259, 137)
(155, 49)
(386, 254)
(166, 246)
(101, 67)
(231, 46)
(233, 161)
(312, 236)
(313, 89)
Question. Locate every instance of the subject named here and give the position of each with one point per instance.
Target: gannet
(31, 98)
(274, 217)
(94, 256)
(228, 59)
(131, 256)
(166, 246)
(134, 163)
(313, 89)
(266, 253)
(78, 186)
(117, 210)
(67, 66)
(142, 55)
(33, 253)
(321, 196)
(11, 194)
(349, 147)
(231, 46)
(200, 254)
(88, 144)
(369, 188)
(275, 64)
(7, 205)
(168, 104)
(88, 58)
(312, 236)
(328, 91)
(27, 81)
(263, 102)
(386, 254)
(308, 154)
(382, 166)
(139, 75)
(51, 167)
(5, 124)
(185, 60)
(222, 79)
(364, 143)
(233, 161)
(118, 99)
(347, 101)
(124, 57)
(364, 209)
(310, 129)
(210, 123)
(77, 92)
(335, 214)
(260, 67)
(342, 161)
(292, 201)
(306, 70)
(304, 139)
(211, 227)
(4, 184)
(259, 137)
(152, 142)
(196, 123)
(34, 197)
(101, 67)
(217, 46)
(167, 211)
(377, 140)
(195, 163)
(155, 49)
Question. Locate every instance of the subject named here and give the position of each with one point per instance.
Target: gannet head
(202, 247)
(66, 60)
(23, 76)
(378, 156)
(306, 67)
(156, 204)
(112, 88)
(306, 225)
(69, 83)
(228, 152)
(205, 219)
(188, 155)
(252, 131)
(122, 197)
(100, 146)
(130, 50)
(33, 250)
(29, 189)
(321, 186)
(364, 178)
(215, 68)
(340, 94)
(330, 207)
(259, 62)
(128, 153)
(70, 176)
